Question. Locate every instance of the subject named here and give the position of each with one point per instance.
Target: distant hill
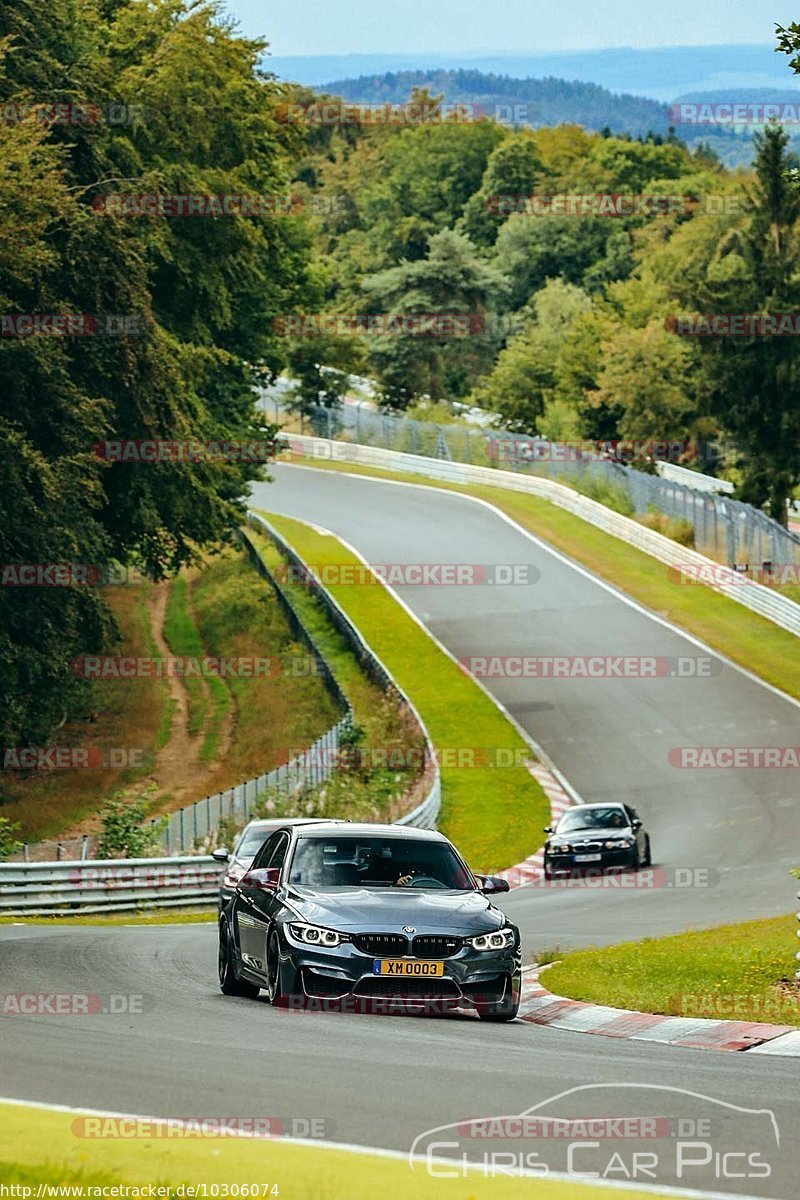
(552, 101)
(662, 73)
(538, 101)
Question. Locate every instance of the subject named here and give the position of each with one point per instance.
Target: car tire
(548, 874)
(500, 1013)
(647, 861)
(229, 982)
(274, 990)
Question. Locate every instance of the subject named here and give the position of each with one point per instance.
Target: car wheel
(229, 982)
(274, 992)
(548, 874)
(505, 1011)
(647, 861)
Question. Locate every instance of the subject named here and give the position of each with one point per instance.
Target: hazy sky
(462, 26)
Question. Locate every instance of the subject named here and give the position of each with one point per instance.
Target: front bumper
(345, 976)
(625, 859)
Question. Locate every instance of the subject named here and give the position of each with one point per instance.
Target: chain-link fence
(722, 528)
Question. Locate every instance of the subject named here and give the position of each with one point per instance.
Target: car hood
(378, 910)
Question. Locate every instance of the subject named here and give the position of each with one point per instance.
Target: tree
(522, 382)
(751, 384)
(451, 281)
(514, 169)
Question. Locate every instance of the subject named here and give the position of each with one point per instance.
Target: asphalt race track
(739, 830)
(383, 1081)
(377, 1080)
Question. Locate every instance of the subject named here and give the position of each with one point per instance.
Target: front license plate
(406, 967)
(588, 857)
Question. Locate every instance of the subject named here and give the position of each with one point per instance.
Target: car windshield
(251, 843)
(593, 818)
(351, 861)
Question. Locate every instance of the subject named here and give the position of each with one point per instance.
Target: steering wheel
(426, 881)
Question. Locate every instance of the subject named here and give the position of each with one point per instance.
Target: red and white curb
(541, 1007)
(531, 870)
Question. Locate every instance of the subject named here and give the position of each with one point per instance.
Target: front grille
(385, 985)
(588, 847)
(381, 943)
(434, 945)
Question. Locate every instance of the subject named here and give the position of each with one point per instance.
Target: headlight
(620, 845)
(317, 935)
(564, 848)
(500, 940)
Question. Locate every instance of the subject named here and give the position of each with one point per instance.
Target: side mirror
(220, 855)
(491, 884)
(266, 879)
(636, 823)
(548, 828)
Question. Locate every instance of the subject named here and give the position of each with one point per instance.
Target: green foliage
(9, 844)
(126, 833)
(201, 293)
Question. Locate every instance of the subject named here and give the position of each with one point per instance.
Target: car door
(258, 911)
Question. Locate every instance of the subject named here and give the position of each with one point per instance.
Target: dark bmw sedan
(386, 916)
(596, 836)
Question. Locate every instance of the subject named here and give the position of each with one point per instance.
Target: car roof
(365, 829)
(282, 822)
(605, 804)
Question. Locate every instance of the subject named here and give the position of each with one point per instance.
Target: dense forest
(159, 189)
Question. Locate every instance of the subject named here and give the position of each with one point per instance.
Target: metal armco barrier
(759, 599)
(108, 885)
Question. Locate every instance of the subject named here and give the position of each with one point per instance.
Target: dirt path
(178, 776)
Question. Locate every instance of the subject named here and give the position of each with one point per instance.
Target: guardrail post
(25, 853)
(85, 847)
(59, 852)
(797, 956)
(182, 846)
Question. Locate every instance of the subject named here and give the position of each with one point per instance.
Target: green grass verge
(735, 972)
(183, 639)
(494, 814)
(726, 626)
(158, 916)
(46, 1150)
